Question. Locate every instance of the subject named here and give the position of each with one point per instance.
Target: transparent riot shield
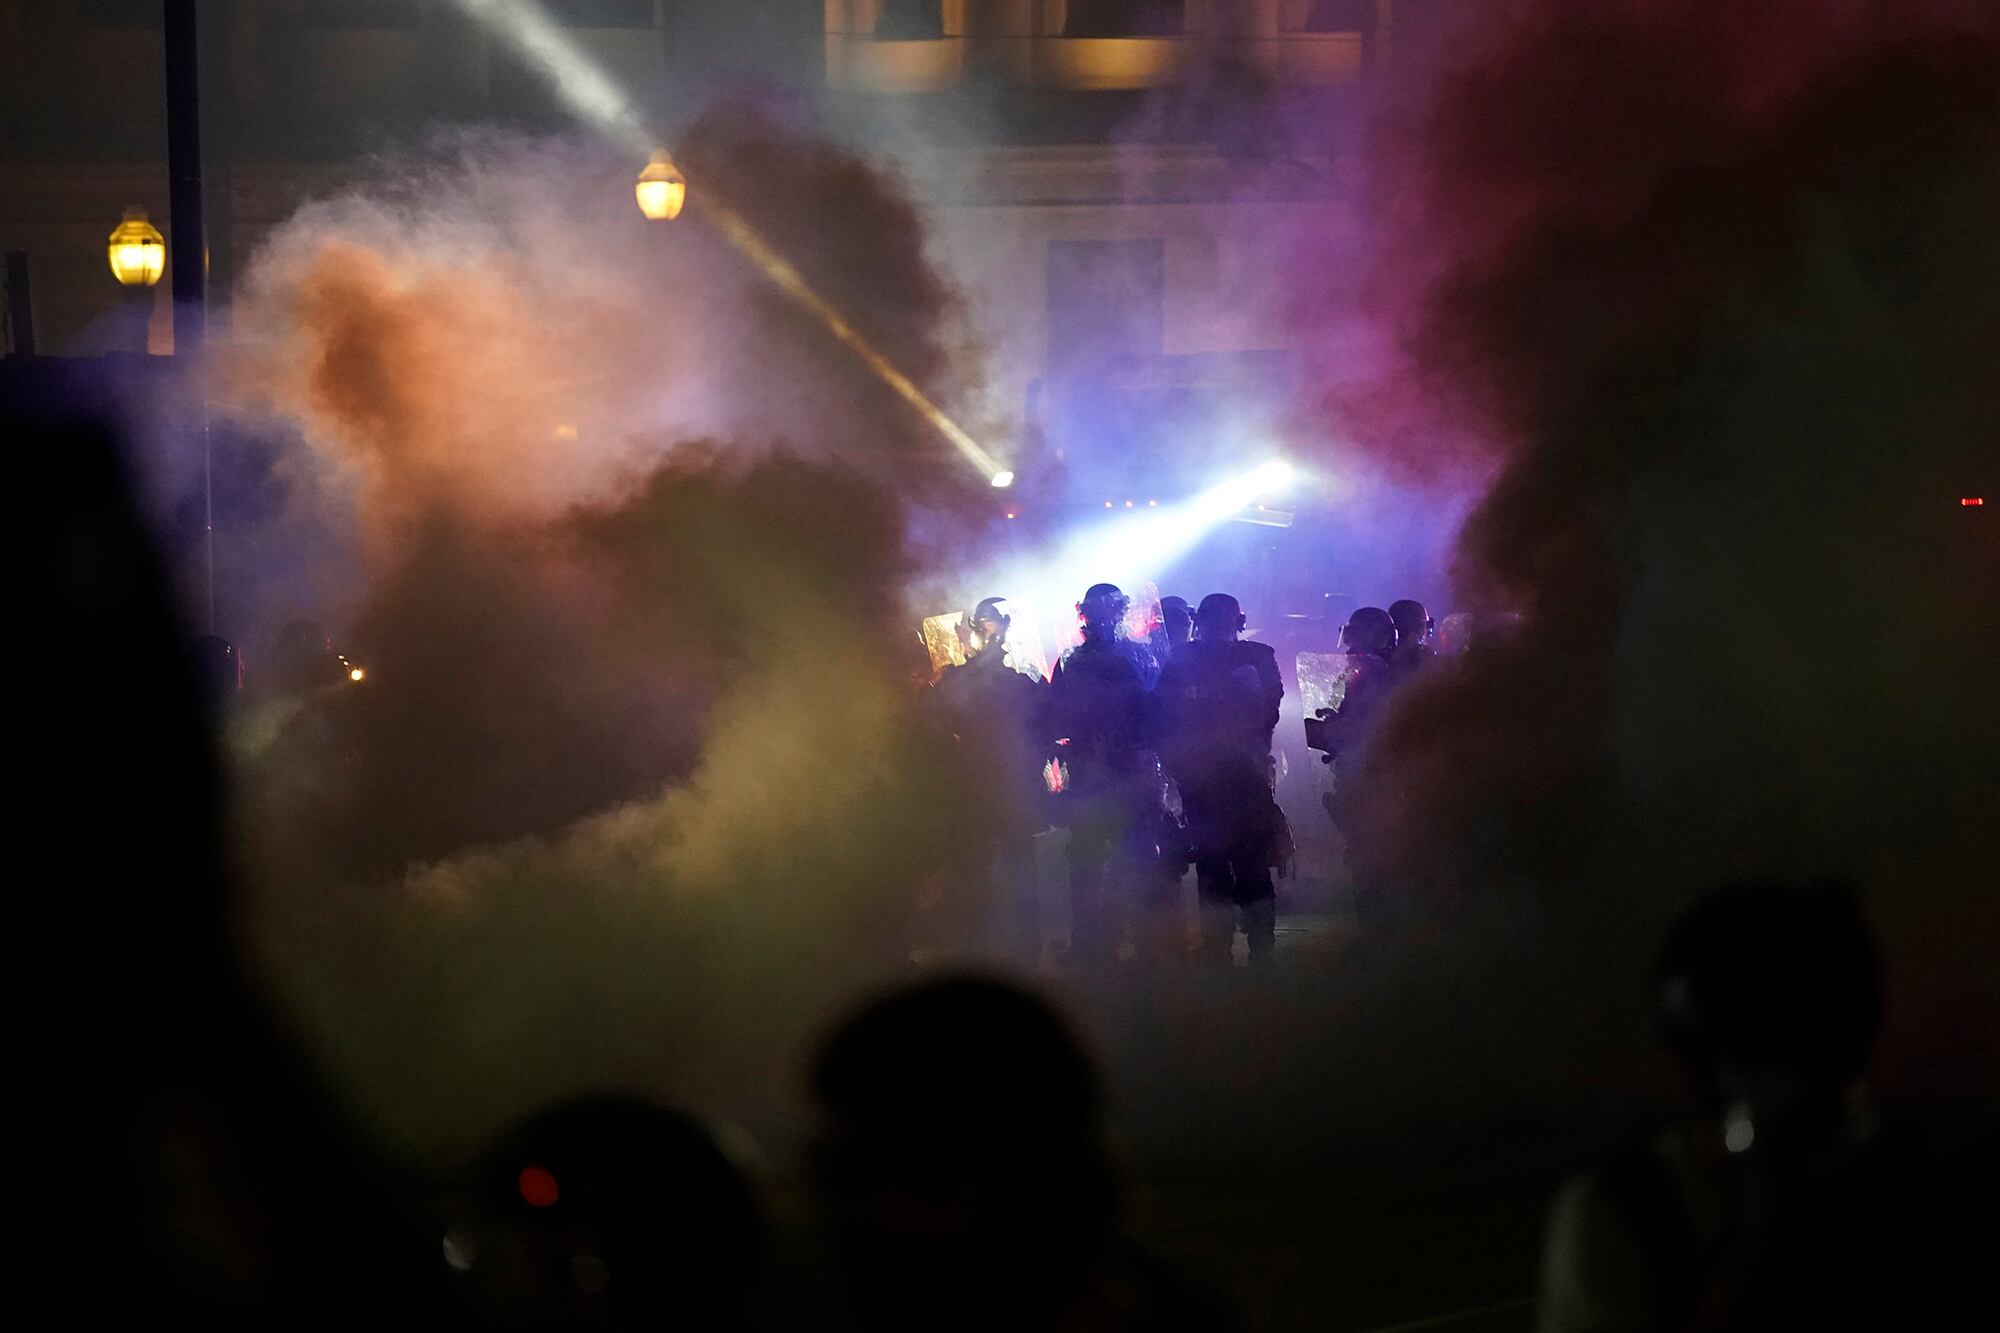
(1142, 617)
(944, 640)
(945, 635)
(1027, 653)
(1322, 679)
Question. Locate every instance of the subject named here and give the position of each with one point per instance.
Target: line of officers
(1156, 754)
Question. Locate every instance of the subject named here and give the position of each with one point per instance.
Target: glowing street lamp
(138, 252)
(661, 189)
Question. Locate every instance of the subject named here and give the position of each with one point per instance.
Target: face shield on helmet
(986, 625)
(1103, 609)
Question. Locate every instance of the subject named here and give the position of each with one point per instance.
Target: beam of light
(1273, 477)
(1128, 547)
(593, 96)
(585, 88)
(788, 279)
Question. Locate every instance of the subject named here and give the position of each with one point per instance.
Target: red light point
(538, 1187)
(1973, 501)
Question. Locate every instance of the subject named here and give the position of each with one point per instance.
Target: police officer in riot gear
(1098, 717)
(1370, 677)
(994, 712)
(1413, 652)
(1215, 709)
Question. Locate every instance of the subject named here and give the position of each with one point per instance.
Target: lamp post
(137, 251)
(180, 30)
(184, 176)
(662, 190)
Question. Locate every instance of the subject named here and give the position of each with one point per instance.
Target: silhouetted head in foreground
(609, 1213)
(188, 1167)
(1176, 620)
(1771, 994)
(1791, 1201)
(961, 1162)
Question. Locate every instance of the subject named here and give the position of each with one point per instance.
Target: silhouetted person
(962, 1172)
(178, 1162)
(1781, 1202)
(994, 712)
(1097, 712)
(1413, 651)
(609, 1212)
(1369, 640)
(1216, 706)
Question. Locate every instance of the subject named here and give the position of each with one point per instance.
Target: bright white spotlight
(1129, 547)
(1275, 475)
(1002, 480)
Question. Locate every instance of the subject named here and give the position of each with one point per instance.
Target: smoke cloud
(632, 792)
(1711, 291)
(1697, 299)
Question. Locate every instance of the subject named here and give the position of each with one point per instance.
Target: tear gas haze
(1690, 308)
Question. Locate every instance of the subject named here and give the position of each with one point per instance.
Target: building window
(910, 21)
(1124, 18)
(1339, 16)
(1106, 299)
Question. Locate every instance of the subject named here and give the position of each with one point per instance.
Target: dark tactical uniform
(1412, 659)
(1097, 709)
(1215, 709)
(1371, 679)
